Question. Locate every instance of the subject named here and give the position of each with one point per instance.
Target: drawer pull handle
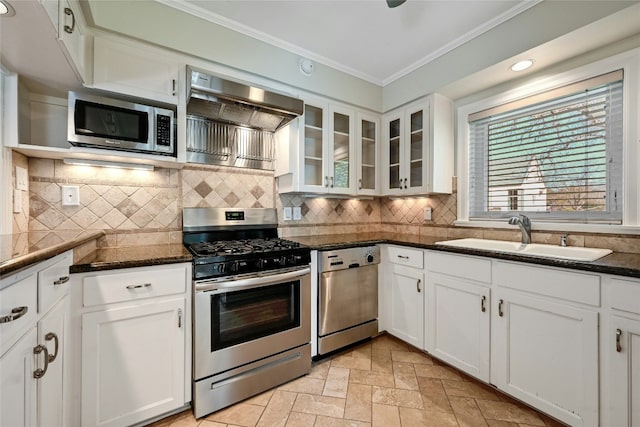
(482, 303)
(39, 373)
(145, 285)
(51, 336)
(16, 313)
(403, 257)
(500, 312)
(69, 29)
(618, 339)
(418, 285)
(61, 280)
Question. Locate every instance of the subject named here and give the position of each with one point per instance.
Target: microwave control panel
(163, 130)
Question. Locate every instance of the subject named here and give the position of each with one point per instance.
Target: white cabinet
(52, 334)
(135, 70)
(69, 26)
(32, 345)
(367, 154)
(135, 343)
(333, 150)
(622, 348)
(624, 371)
(418, 148)
(545, 350)
(17, 384)
(458, 311)
(405, 304)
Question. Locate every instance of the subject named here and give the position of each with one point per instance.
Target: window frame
(629, 62)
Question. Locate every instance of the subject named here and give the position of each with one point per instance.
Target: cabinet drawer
(133, 285)
(17, 310)
(571, 286)
(53, 282)
(466, 267)
(406, 256)
(625, 295)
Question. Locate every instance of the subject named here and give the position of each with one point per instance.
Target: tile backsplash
(140, 207)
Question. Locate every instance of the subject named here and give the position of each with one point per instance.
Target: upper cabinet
(367, 154)
(418, 148)
(134, 70)
(322, 156)
(68, 23)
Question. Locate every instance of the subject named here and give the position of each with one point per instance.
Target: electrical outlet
(70, 195)
(287, 213)
(427, 214)
(297, 213)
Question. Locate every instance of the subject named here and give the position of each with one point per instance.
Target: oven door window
(107, 121)
(242, 316)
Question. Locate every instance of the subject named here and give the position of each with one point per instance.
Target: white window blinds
(554, 156)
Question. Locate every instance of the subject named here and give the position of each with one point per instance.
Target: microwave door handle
(252, 282)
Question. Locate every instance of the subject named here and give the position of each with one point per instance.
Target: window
(553, 156)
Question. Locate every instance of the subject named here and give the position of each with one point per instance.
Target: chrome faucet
(525, 227)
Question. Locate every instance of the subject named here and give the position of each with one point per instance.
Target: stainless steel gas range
(252, 326)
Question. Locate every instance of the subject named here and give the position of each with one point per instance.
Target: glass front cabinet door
(367, 157)
(314, 137)
(418, 148)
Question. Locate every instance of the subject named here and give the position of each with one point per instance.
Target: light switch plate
(427, 214)
(70, 195)
(22, 179)
(297, 213)
(287, 213)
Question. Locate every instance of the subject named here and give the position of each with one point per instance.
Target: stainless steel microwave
(95, 121)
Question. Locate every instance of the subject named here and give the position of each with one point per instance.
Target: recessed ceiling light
(6, 9)
(522, 65)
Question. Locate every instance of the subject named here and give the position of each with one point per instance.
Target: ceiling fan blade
(394, 3)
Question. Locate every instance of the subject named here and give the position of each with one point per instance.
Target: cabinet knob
(179, 318)
(326, 181)
(39, 373)
(360, 184)
(618, 340)
(500, 312)
(331, 178)
(61, 280)
(405, 183)
(482, 303)
(69, 29)
(51, 336)
(15, 314)
(418, 285)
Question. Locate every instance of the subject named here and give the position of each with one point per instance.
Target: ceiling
(364, 38)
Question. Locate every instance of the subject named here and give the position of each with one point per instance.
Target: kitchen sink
(575, 253)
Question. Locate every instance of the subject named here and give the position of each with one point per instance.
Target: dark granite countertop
(132, 256)
(617, 263)
(18, 251)
(21, 250)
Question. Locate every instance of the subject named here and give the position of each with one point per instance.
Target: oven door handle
(252, 282)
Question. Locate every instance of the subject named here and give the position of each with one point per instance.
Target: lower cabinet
(545, 353)
(34, 313)
(135, 343)
(17, 385)
(624, 371)
(458, 322)
(52, 333)
(132, 362)
(406, 315)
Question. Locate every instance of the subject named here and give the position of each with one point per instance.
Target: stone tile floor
(383, 382)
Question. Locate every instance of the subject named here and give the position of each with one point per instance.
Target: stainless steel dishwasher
(348, 296)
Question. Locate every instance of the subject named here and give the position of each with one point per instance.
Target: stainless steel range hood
(232, 124)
